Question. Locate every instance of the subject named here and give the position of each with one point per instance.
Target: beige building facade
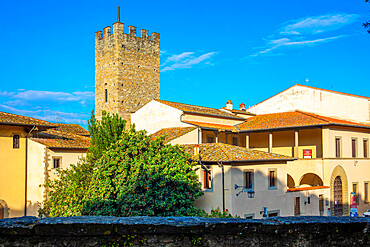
(330, 157)
(316, 100)
(31, 151)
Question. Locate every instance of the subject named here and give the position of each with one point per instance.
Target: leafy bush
(125, 174)
(141, 176)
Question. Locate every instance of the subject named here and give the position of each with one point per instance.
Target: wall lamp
(250, 191)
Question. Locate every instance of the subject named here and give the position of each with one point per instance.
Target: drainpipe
(26, 173)
(223, 184)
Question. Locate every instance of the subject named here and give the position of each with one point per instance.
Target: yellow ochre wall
(12, 165)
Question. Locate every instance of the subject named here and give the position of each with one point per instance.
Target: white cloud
(302, 32)
(287, 42)
(37, 104)
(21, 97)
(318, 24)
(185, 60)
(49, 115)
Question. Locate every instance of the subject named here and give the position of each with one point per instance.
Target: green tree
(140, 176)
(367, 24)
(126, 173)
(103, 133)
(65, 194)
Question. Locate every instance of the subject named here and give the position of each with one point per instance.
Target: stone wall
(127, 70)
(184, 231)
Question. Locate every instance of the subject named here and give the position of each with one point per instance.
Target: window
(56, 162)
(206, 179)
(354, 147)
(338, 147)
(106, 95)
(2, 212)
(297, 206)
(235, 141)
(366, 148)
(321, 204)
(272, 179)
(16, 141)
(248, 175)
(249, 216)
(366, 192)
(273, 213)
(210, 139)
(355, 189)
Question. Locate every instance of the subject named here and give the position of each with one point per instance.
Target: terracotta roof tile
(292, 119)
(170, 134)
(213, 126)
(199, 109)
(74, 129)
(13, 119)
(214, 152)
(61, 139)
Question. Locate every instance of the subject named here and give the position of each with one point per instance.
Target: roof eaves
(54, 147)
(285, 128)
(257, 160)
(21, 124)
(214, 115)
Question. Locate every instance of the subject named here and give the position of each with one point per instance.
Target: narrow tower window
(16, 141)
(106, 95)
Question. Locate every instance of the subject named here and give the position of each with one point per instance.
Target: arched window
(3, 209)
(311, 179)
(290, 182)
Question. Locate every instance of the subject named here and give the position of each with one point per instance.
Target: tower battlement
(118, 29)
(127, 70)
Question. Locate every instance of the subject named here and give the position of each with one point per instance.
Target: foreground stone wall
(184, 231)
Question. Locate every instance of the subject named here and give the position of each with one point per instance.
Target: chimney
(242, 107)
(229, 105)
(196, 149)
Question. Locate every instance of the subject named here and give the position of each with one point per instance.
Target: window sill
(208, 190)
(273, 188)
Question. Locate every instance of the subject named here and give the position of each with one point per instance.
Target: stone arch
(290, 182)
(311, 179)
(4, 210)
(339, 172)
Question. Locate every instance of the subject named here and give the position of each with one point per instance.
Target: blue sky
(212, 51)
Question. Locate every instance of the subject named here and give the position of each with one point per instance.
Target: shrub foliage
(126, 173)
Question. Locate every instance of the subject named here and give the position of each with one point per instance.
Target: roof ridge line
(332, 91)
(314, 115)
(221, 145)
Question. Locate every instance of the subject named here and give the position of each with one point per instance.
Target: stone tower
(126, 70)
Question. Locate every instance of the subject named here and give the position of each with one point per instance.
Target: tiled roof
(292, 119)
(308, 188)
(213, 126)
(13, 119)
(74, 129)
(60, 139)
(214, 152)
(172, 133)
(199, 109)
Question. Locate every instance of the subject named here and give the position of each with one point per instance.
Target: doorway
(338, 196)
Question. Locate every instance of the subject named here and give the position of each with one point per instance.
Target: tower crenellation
(127, 70)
